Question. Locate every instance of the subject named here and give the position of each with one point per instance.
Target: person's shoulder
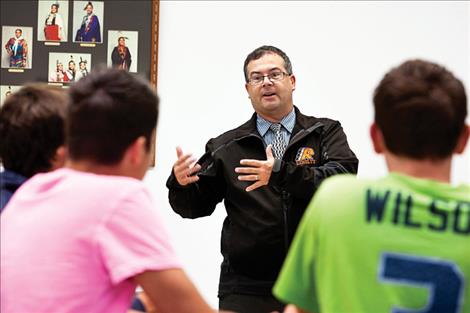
(87, 181)
(228, 136)
(311, 120)
(342, 188)
(343, 181)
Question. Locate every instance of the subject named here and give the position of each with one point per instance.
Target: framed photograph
(67, 68)
(123, 50)
(17, 42)
(53, 20)
(6, 91)
(88, 21)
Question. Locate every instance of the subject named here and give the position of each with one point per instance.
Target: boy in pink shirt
(80, 239)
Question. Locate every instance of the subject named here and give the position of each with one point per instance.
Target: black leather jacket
(261, 224)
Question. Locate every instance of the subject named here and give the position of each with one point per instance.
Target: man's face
(89, 9)
(18, 33)
(270, 99)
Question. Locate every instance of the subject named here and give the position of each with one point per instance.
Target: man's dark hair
(32, 128)
(263, 50)
(420, 107)
(109, 109)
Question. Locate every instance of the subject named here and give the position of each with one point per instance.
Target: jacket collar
(302, 122)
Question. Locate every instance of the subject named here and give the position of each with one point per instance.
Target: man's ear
(136, 151)
(59, 158)
(463, 140)
(377, 138)
(292, 81)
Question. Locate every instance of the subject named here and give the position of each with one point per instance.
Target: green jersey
(396, 244)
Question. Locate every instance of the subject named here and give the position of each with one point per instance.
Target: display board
(60, 41)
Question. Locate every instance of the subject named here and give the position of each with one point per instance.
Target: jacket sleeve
(200, 198)
(336, 158)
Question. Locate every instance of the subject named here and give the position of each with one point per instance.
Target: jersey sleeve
(134, 240)
(296, 283)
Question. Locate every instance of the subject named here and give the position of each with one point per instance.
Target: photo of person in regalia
(6, 91)
(17, 49)
(90, 29)
(123, 49)
(82, 69)
(52, 20)
(68, 68)
(121, 56)
(59, 75)
(70, 72)
(54, 24)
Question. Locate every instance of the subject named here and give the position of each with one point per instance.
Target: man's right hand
(185, 168)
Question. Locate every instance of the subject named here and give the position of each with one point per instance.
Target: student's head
(110, 114)
(32, 129)
(420, 111)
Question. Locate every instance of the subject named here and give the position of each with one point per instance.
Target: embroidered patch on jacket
(305, 156)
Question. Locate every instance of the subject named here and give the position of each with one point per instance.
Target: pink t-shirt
(71, 240)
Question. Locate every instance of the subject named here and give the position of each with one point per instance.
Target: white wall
(339, 51)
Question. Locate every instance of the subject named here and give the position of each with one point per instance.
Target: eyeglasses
(275, 76)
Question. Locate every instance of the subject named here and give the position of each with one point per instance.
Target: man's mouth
(269, 94)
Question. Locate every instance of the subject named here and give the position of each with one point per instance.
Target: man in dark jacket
(266, 172)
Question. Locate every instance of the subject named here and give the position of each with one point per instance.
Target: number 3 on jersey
(443, 279)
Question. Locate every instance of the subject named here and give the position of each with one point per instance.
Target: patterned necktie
(278, 144)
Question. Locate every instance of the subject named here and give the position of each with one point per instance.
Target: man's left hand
(258, 171)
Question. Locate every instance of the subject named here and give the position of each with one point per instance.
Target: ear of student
(463, 140)
(59, 158)
(136, 151)
(377, 138)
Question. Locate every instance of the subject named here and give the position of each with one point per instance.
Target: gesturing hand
(258, 171)
(185, 168)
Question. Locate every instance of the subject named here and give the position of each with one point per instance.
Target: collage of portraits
(53, 29)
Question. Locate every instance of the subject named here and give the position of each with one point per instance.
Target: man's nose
(266, 80)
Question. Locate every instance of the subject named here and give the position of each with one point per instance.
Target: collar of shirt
(287, 123)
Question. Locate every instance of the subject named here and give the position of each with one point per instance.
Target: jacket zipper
(284, 213)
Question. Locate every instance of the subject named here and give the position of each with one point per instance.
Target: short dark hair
(32, 128)
(263, 50)
(420, 107)
(109, 109)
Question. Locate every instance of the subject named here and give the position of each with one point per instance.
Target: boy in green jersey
(400, 243)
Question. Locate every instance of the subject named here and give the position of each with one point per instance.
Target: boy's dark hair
(420, 108)
(32, 128)
(263, 50)
(109, 109)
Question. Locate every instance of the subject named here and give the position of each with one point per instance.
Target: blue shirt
(9, 182)
(264, 130)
